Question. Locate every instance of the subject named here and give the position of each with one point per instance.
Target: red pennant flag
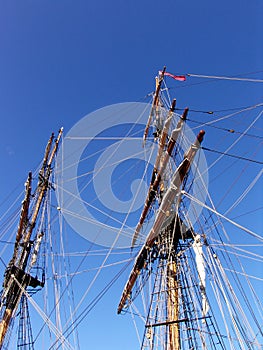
(176, 77)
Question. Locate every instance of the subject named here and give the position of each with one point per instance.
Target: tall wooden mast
(17, 273)
(164, 234)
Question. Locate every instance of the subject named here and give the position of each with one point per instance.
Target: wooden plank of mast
(12, 291)
(164, 135)
(166, 204)
(173, 306)
(154, 104)
(159, 170)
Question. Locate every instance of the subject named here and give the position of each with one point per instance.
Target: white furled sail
(200, 265)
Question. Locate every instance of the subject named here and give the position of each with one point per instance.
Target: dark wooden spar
(17, 275)
(159, 167)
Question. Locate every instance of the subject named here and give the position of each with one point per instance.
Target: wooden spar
(12, 291)
(165, 207)
(154, 105)
(173, 306)
(25, 205)
(43, 187)
(46, 155)
(157, 175)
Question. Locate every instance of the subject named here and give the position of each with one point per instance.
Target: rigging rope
(236, 141)
(225, 78)
(245, 192)
(232, 155)
(223, 216)
(231, 131)
(46, 319)
(71, 327)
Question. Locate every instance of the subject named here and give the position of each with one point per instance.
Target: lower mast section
(173, 306)
(175, 319)
(163, 321)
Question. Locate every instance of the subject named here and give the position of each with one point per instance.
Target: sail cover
(200, 265)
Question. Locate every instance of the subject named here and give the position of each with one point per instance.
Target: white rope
(102, 138)
(224, 78)
(84, 159)
(95, 268)
(54, 273)
(70, 292)
(135, 325)
(217, 289)
(244, 274)
(236, 141)
(79, 216)
(45, 318)
(235, 299)
(253, 256)
(253, 294)
(93, 253)
(109, 165)
(244, 194)
(108, 254)
(90, 205)
(223, 216)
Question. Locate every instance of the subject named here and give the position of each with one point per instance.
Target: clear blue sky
(60, 60)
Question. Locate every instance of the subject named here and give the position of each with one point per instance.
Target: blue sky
(60, 60)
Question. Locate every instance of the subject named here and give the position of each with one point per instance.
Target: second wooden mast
(17, 274)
